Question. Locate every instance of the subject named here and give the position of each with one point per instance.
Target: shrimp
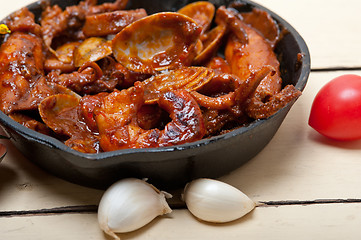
(119, 128)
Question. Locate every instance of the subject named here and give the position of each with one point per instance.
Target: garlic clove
(215, 201)
(129, 204)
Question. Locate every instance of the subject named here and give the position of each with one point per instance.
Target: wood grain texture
(308, 186)
(330, 28)
(328, 221)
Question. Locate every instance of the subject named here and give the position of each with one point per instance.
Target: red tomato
(336, 109)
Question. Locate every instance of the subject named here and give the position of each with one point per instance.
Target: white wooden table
(311, 185)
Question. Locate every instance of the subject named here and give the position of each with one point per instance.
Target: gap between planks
(94, 208)
(335, 69)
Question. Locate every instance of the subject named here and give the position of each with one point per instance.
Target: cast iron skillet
(166, 167)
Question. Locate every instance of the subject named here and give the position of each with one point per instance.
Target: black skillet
(166, 167)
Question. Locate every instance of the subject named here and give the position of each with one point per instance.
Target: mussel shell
(160, 41)
(188, 78)
(201, 12)
(210, 45)
(55, 111)
(92, 50)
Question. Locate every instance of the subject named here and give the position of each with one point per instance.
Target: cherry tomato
(336, 109)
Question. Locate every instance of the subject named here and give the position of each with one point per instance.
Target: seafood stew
(174, 164)
(103, 78)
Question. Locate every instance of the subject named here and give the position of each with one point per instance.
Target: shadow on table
(39, 181)
(351, 145)
(7, 175)
(167, 221)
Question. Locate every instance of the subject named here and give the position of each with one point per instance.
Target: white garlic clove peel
(129, 204)
(215, 201)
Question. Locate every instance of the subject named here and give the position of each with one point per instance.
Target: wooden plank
(297, 164)
(8, 7)
(326, 221)
(297, 171)
(330, 28)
